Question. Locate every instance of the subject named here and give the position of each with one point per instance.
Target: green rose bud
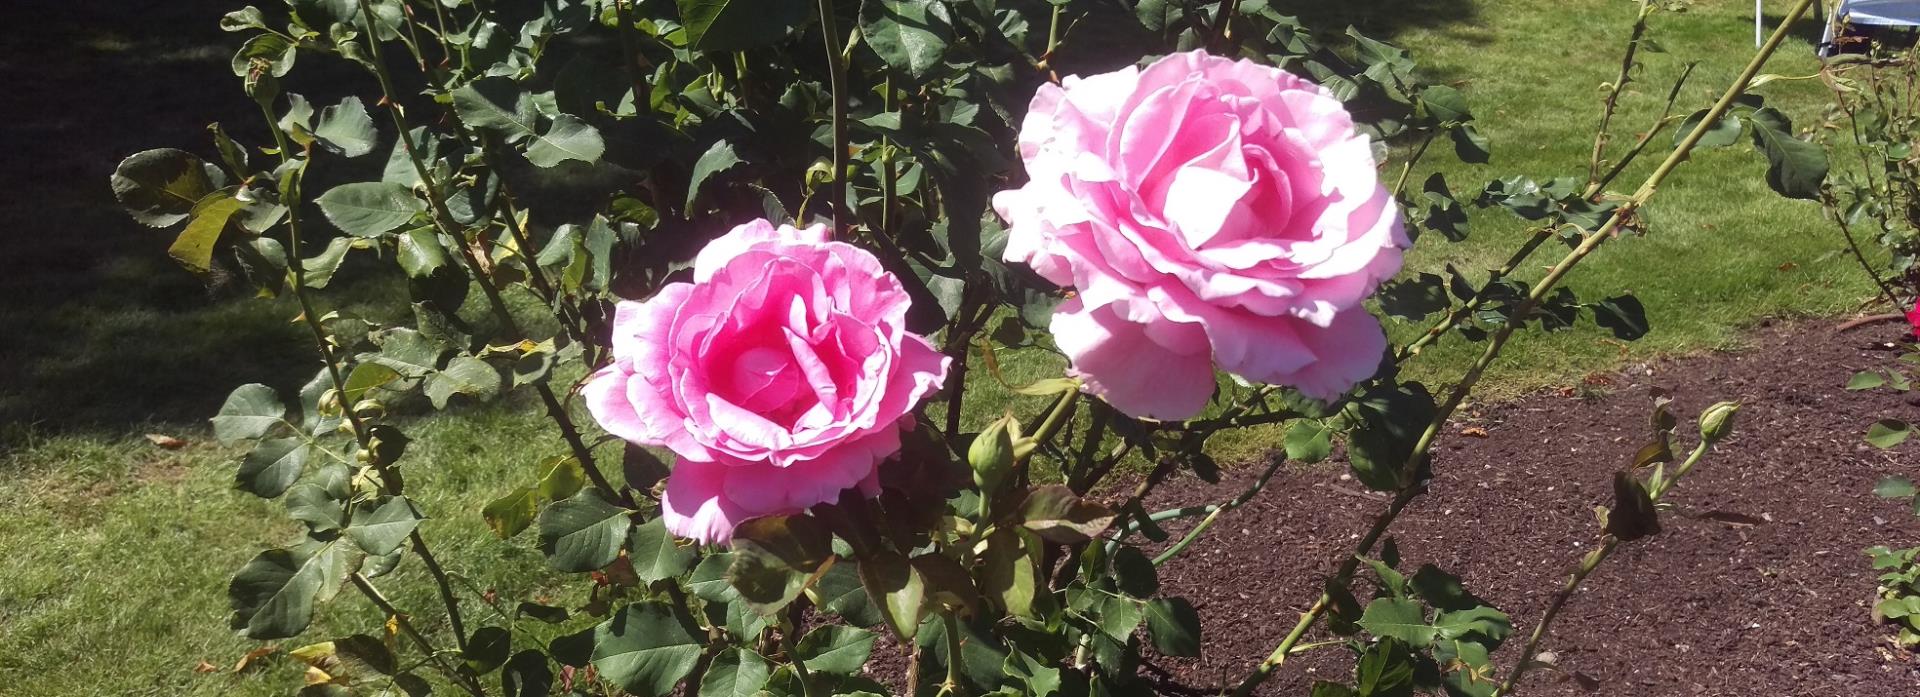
(1717, 421)
(991, 454)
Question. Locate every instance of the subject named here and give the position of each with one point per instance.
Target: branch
(1540, 292)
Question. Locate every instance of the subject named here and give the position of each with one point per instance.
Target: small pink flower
(1209, 212)
(781, 376)
(1913, 319)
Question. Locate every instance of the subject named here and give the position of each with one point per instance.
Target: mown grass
(118, 551)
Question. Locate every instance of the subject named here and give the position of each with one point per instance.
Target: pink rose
(781, 376)
(1208, 211)
(1913, 320)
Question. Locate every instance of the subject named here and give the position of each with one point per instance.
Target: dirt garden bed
(1758, 586)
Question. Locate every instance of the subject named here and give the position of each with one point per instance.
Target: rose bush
(1208, 211)
(781, 376)
(1216, 209)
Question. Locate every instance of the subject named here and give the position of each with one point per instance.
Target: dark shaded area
(1381, 19)
(1757, 586)
(101, 328)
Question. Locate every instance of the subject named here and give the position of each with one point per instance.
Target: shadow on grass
(1381, 19)
(100, 328)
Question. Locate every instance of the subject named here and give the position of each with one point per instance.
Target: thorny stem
(1049, 427)
(1840, 220)
(1540, 291)
(1214, 515)
(952, 684)
(1540, 235)
(443, 219)
(1601, 136)
(1407, 168)
(1587, 565)
(641, 102)
(406, 627)
(837, 78)
(787, 629)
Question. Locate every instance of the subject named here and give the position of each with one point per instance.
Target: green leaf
(421, 253)
(737, 25)
(1724, 132)
(735, 673)
(271, 53)
(314, 505)
(1117, 616)
(1884, 433)
(208, 219)
(346, 129)
(1470, 146)
(561, 476)
(1633, 515)
(160, 187)
(1308, 441)
(1623, 315)
(370, 209)
(465, 375)
(645, 649)
(1443, 590)
(365, 378)
(487, 649)
(1895, 488)
(511, 513)
(499, 105)
(654, 554)
(1174, 626)
(777, 557)
(1795, 168)
(1445, 104)
(718, 158)
(273, 595)
(245, 18)
(838, 592)
(1057, 515)
(1011, 570)
(1399, 618)
(1865, 380)
(909, 35)
(1387, 422)
(320, 269)
(527, 675)
(249, 412)
(897, 589)
(583, 533)
(1133, 572)
(1483, 622)
(272, 466)
(1386, 669)
(380, 529)
(1470, 671)
(835, 649)
(1414, 298)
(566, 138)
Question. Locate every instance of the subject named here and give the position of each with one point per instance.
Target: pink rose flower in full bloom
(1208, 211)
(781, 376)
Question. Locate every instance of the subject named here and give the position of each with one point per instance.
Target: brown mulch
(1757, 586)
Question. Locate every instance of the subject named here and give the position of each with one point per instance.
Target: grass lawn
(118, 551)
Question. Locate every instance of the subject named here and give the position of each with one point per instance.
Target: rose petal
(1122, 364)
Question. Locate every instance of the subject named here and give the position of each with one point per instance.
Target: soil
(1757, 586)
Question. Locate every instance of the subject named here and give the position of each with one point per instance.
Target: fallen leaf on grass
(204, 667)
(254, 656)
(165, 441)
